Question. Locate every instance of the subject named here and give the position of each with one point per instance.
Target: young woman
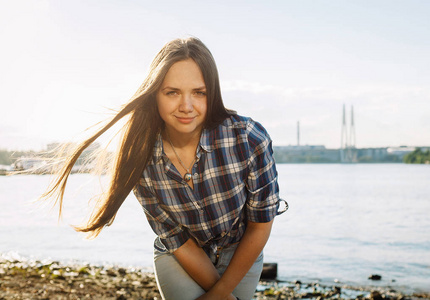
(205, 177)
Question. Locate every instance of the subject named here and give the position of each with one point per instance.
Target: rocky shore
(315, 290)
(53, 280)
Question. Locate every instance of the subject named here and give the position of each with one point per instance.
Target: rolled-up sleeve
(262, 181)
(171, 234)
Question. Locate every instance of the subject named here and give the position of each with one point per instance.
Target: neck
(181, 141)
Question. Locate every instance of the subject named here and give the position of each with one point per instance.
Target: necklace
(187, 176)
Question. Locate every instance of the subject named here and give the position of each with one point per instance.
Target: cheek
(161, 109)
(158, 105)
(204, 108)
(162, 106)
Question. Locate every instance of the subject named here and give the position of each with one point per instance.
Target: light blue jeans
(175, 284)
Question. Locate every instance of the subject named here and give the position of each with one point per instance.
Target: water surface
(345, 222)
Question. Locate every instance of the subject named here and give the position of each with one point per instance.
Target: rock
(122, 271)
(375, 277)
(311, 295)
(421, 295)
(83, 271)
(270, 271)
(375, 295)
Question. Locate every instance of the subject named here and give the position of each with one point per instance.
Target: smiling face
(182, 101)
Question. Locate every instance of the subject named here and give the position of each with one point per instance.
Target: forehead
(184, 73)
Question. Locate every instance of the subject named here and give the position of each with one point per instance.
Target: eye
(172, 93)
(200, 93)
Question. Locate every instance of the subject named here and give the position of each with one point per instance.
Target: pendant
(187, 177)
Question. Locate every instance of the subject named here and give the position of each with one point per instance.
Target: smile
(185, 120)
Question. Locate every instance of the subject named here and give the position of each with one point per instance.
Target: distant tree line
(418, 157)
(9, 157)
(46, 161)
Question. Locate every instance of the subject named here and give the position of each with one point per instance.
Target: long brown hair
(140, 131)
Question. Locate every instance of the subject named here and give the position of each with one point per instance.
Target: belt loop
(216, 258)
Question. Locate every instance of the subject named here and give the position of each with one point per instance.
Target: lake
(345, 222)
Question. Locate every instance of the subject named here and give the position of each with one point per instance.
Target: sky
(65, 65)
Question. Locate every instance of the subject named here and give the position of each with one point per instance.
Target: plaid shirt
(234, 179)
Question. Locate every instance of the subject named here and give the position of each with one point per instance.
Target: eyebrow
(177, 89)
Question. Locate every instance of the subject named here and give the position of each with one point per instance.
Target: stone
(375, 277)
(122, 271)
(375, 295)
(270, 271)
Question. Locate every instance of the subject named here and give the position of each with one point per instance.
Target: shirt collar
(206, 143)
(207, 140)
(158, 149)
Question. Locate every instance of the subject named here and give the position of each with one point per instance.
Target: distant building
(35, 164)
(320, 154)
(306, 154)
(85, 157)
(400, 151)
(368, 155)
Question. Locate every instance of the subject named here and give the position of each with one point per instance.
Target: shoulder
(236, 121)
(236, 131)
(255, 132)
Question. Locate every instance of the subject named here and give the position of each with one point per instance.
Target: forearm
(198, 265)
(248, 250)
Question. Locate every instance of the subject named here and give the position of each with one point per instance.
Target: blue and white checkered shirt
(235, 180)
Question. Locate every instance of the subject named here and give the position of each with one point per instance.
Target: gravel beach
(53, 280)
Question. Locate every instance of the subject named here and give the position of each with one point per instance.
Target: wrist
(219, 291)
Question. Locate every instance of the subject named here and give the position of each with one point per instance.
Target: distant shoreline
(41, 162)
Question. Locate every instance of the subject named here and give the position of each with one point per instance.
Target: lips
(185, 120)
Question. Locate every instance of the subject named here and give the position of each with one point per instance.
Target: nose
(186, 104)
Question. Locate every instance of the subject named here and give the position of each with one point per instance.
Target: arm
(250, 247)
(261, 208)
(199, 266)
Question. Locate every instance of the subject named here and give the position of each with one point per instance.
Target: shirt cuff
(263, 214)
(263, 203)
(172, 243)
